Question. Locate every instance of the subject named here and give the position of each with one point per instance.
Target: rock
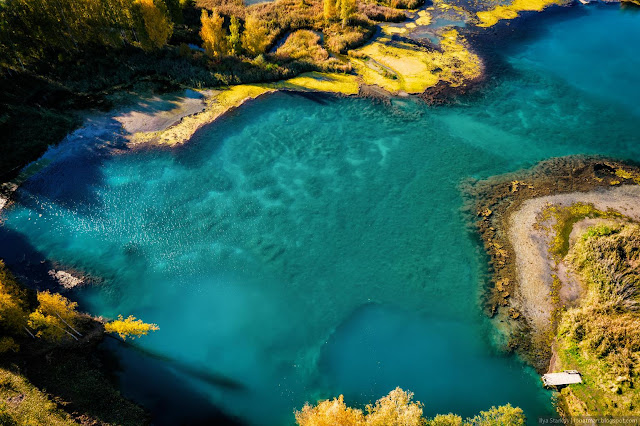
(65, 279)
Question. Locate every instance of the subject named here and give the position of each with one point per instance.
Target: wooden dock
(567, 377)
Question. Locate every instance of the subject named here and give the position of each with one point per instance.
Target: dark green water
(301, 248)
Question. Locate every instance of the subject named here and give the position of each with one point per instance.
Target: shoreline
(176, 126)
(519, 292)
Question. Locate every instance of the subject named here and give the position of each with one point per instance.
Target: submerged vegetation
(398, 409)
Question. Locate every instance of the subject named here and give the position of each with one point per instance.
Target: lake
(303, 247)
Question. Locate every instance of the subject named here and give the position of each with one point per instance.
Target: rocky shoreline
(506, 211)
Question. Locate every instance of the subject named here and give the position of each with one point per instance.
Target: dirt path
(534, 267)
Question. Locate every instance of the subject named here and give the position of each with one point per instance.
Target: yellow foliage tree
(329, 413)
(46, 326)
(13, 316)
(445, 420)
(130, 327)
(347, 9)
(157, 25)
(503, 415)
(234, 36)
(398, 409)
(329, 9)
(214, 36)
(13, 311)
(56, 305)
(255, 37)
(395, 409)
(55, 317)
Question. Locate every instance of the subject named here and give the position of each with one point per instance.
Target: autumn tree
(347, 9)
(214, 36)
(329, 9)
(13, 311)
(445, 420)
(503, 415)
(234, 36)
(157, 25)
(329, 413)
(399, 409)
(129, 327)
(255, 38)
(395, 409)
(55, 317)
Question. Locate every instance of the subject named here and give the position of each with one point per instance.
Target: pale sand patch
(161, 112)
(531, 246)
(219, 102)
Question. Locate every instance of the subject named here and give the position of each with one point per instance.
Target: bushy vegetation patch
(380, 13)
(601, 337)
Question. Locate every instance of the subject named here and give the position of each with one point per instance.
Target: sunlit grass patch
(346, 84)
(399, 66)
(601, 337)
(24, 404)
(491, 17)
(424, 18)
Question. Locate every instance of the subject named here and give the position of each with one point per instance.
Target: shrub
(129, 327)
(376, 12)
(340, 39)
(302, 44)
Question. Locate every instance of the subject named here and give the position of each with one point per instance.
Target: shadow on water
(25, 261)
(208, 377)
(72, 170)
(147, 374)
(159, 384)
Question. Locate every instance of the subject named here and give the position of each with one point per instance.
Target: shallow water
(303, 247)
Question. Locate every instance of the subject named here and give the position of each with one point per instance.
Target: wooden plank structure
(567, 377)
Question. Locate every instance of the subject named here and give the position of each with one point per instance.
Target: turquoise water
(304, 247)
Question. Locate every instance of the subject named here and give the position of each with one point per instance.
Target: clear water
(303, 247)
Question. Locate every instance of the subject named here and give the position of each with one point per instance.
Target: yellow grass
(393, 30)
(345, 84)
(424, 18)
(27, 405)
(235, 96)
(493, 16)
(404, 67)
(216, 106)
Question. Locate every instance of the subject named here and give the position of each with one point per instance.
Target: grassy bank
(601, 336)
(492, 203)
(51, 370)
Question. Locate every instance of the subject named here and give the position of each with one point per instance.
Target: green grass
(565, 219)
(24, 404)
(601, 337)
